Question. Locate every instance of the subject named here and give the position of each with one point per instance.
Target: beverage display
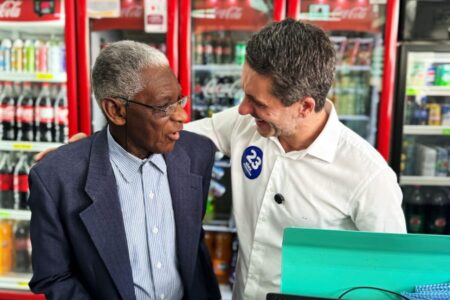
(32, 55)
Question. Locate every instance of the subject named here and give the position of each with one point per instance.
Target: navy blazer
(77, 232)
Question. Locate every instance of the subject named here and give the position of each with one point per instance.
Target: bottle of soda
(6, 246)
(25, 114)
(44, 115)
(22, 247)
(7, 112)
(29, 56)
(222, 256)
(17, 56)
(61, 116)
(208, 52)
(439, 212)
(6, 47)
(41, 50)
(415, 212)
(227, 50)
(218, 50)
(6, 182)
(198, 49)
(20, 183)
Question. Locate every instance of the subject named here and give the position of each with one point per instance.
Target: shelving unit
(425, 180)
(26, 146)
(33, 77)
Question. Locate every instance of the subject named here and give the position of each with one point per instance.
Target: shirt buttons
(162, 296)
(155, 230)
(159, 265)
(151, 195)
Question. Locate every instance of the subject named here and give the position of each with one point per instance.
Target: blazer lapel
(186, 192)
(103, 218)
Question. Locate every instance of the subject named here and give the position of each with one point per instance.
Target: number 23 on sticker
(251, 162)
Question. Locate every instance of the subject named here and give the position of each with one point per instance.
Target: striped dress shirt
(148, 217)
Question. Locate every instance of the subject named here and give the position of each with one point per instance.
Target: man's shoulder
(190, 139)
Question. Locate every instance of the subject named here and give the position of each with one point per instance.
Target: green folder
(327, 263)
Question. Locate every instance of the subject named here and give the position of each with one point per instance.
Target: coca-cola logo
(132, 11)
(355, 13)
(10, 9)
(230, 13)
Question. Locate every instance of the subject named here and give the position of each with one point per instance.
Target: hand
(74, 138)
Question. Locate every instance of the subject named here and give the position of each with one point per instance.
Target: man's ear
(307, 106)
(115, 111)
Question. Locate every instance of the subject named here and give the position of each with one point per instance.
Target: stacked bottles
(15, 250)
(427, 209)
(44, 56)
(351, 93)
(14, 170)
(217, 48)
(427, 110)
(36, 113)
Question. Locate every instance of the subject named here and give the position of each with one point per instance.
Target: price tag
(22, 146)
(44, 76)
(5, 215)
(446, 131)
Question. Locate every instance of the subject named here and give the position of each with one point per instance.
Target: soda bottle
(209, 241)
(44, 115)
(198, 59)
(22, 247)
(17, 56)
(6, 182)
(227, 50)
(222, 256)
(61, 116)
(239, 53)
(54, 56)
(438, 217)
(29, 56)
(415, 212)
(6, 246)
(208, 54)
(5, 64)
(7, 112)
(20, 183)
(218, 50)
(41, 56)
(25, 114)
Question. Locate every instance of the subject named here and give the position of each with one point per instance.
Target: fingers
(42, 154)
(78, 136)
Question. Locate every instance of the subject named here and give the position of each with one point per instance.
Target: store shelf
(354, 118)
(226, 292)
(45, 27)
(353, 68)
(26, 146)
(425, 180)
(15, 214)
(426, 130)
(428, 90)
(228, 68)
(15, 281)
(219, 228)
(33, 77)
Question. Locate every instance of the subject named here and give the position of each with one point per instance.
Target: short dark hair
(298, 57)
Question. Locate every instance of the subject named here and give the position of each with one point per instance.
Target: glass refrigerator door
(33, 117)
(356, 29)
(425, 141)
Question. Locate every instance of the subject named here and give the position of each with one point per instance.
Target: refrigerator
(420, 144)
(213, 35)
(363, 33)
(39, 108)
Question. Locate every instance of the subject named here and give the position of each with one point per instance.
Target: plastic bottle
(6, 182)
(6, 46)
(17, 56)
(61, 116)
(415, 212)
(439, 209)
(29, 56)
(7, 112)
(25, 114)
(22, 247)
(20, 183)
(6, 246)
(222, 256)
(44, 115)
(41, 56)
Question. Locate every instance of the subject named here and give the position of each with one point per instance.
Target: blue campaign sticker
(252, 162)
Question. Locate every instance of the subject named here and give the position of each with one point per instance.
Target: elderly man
(118, 215)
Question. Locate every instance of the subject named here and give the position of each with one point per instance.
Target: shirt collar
(128, 164)
(325, 145)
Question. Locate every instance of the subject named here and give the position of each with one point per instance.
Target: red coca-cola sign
(131, 17)
(23, 11)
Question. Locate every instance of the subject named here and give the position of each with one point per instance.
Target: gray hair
(117, 70)
(298, 57)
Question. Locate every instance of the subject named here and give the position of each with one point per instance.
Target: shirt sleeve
(219, 128)
(377, 204)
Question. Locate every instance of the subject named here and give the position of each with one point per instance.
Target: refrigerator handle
(71, 69)
(172, 34)
(293, 9)
(185, 52)
(84, 95)
(384, 133)
(279, 10)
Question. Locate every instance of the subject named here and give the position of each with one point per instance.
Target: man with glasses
(118, 215)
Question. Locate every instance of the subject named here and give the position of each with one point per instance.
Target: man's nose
(245, 107)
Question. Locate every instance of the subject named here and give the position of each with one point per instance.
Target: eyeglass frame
(165, 110)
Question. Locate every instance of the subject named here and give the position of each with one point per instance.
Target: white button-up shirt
(339, 182)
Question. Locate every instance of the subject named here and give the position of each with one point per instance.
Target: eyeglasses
(163, 110)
